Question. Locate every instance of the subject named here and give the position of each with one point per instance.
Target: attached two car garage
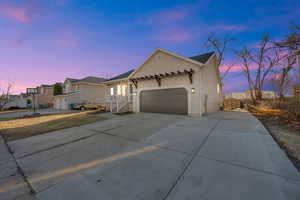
(170, 101)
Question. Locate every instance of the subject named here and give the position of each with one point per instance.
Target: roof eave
(115, 80)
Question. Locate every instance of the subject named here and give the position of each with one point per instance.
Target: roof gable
(199, 60)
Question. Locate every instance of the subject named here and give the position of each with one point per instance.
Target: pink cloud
(16, 88)
(235, 68)
(21, 15)
(231, 27)
(167, 16)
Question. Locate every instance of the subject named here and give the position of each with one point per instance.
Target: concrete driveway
(227, 155)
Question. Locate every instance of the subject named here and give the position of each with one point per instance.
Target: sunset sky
(43, 42)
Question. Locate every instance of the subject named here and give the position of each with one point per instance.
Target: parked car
(88, 107)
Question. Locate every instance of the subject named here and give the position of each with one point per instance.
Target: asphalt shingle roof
(124, 75)
(89, 79)
(202, 58)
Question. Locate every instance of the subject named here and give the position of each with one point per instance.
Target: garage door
(170, 101)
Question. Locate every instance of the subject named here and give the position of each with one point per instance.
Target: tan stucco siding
(161, 63)
(122, 83)
(209, 86)
(94, 94)
(44, 99)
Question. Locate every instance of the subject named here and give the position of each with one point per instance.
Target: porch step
(125, 109)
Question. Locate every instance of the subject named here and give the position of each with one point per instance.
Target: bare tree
(257, 64)
(244, 56)
(290, 45)
(281, 82)
(4, 96)
(220, 46)
(292, 40)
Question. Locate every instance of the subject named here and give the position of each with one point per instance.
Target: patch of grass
(13, 129)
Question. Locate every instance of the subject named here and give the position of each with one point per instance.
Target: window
(124, 88)
(111, 91)
(218, 89)
(119, 92)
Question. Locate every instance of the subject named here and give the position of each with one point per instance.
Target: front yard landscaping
(17, 128)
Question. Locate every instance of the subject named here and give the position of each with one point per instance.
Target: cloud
(174, 35)
(18, 14)
(236, 68)
(16, 87)
(166, 16)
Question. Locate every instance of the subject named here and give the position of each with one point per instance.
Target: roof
(121, 76)
(46, 85)
(202, 58)
(89, 79)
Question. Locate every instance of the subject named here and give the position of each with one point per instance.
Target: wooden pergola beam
(158, 77)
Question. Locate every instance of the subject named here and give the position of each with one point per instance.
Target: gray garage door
(170, 101)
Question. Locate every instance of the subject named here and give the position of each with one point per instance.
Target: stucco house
(119, 93)
(44, 96)
(169, 83)
(89, 90)
(17, 101)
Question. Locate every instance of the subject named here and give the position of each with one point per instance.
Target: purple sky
(43, 42)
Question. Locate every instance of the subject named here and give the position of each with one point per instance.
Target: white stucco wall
(17, 101)
(209, 84)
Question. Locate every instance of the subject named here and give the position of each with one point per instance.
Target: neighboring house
(119, 93)
(89, 90)
(44, 97)
(235, 95)
(170, 83)
(265, 94)
(18, 101)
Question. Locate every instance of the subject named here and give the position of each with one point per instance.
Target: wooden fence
(231, 104)
(296, 92)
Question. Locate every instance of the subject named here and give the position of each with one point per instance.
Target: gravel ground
(287, 137)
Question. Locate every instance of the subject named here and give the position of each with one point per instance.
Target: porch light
(193, 90)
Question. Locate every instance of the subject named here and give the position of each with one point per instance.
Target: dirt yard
(284, 128)
(17, 128)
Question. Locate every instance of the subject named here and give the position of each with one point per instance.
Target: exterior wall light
(134, 94)
(193, 90)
